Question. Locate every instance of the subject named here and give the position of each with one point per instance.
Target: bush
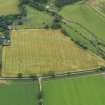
(60, 3)
(52, 74)
(20, 75)
(40, 95)
(69, 73)
(56, 22)
(46, 26)
(102, 68)
(81, 45)
(33, 76)
(64, 32)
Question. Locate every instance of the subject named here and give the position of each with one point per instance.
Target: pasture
(35, 19)
(19, 92)
(41, 51)
(8, 7)
(97, 4)
(86, 16)
(88, 90)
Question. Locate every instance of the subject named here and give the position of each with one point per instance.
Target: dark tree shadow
(61, 3)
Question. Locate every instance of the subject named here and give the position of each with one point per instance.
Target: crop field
(40, 51)
(19, 92)
(89, 90)
(86, 16)
(8, 7)
(35, 19)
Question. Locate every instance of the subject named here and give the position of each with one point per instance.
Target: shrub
(20, 75)
(51, 73)
(60, 3)
(102, 68)
(33, 76)
(40, 95)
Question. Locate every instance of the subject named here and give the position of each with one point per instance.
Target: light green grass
(80, 35)
(78, 91)
(18, 92)
(36, 19)
(86, 16)
(8, 7)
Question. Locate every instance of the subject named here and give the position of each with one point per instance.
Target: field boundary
(56, 75)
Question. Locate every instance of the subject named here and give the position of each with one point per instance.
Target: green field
(77, 91)
(87, 17)
(18, 92)
(36, 19)
(8, 7)
(40, 51)
(99, 5)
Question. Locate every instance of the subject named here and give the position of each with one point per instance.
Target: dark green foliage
(56, 22)
(40, 1)
(64, 32)
(52, 74)
(23, 11)
(24, 1)
(20, 75)
(40, 95)
(6, 21)
(69, 73)
(33, 76)
(81, 45)
(60, 3)
(100, 69)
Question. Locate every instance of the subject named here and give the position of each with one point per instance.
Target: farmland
(85, 25)
(40, 51)
(8, 7)
(86, 16)
(77, 91)
(35, 19)
(99, 5)
(52, 52)
(18, 92)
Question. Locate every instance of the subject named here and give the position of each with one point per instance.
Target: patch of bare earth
(4, 82)
(92, 2)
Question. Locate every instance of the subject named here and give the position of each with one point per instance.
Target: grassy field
(98, 4)
(78, 91)
(80, 35)
(18, 93)
(40, 51)
(86, 16)
(36, 19)
(8, 7)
